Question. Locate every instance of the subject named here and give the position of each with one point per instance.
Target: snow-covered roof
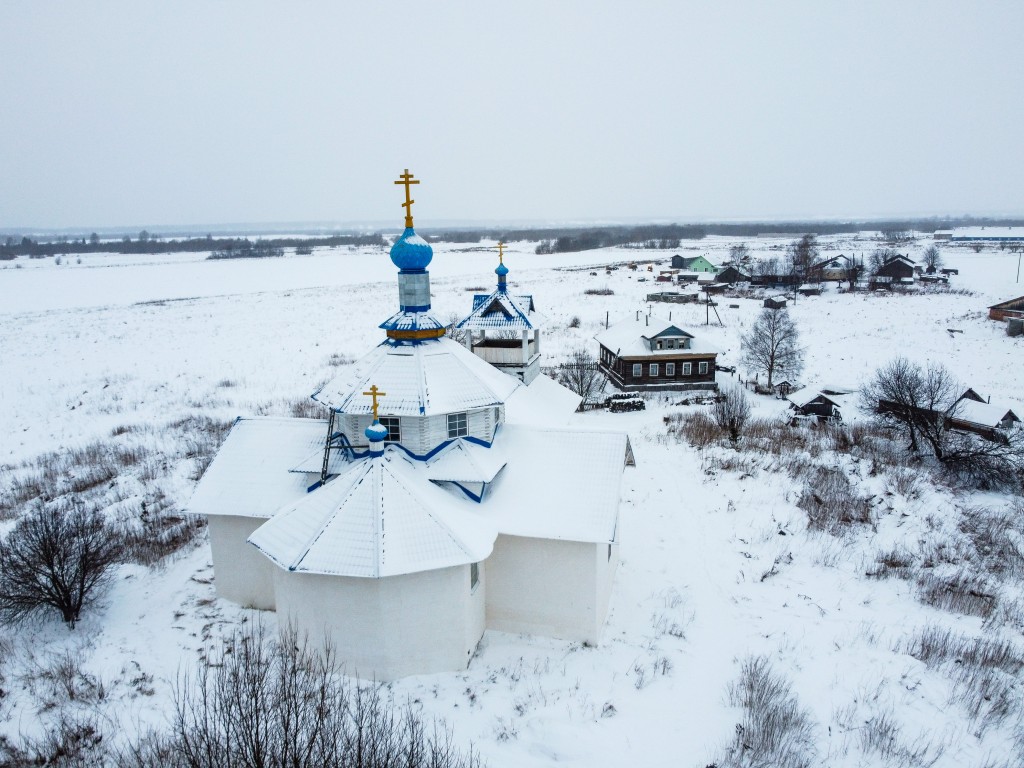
(412, 321)
(431, 377)
(503, 311)
(544, 402)
(559, 483)
(466, 462)
(982, 414)
(630, 338)
(250, 475)
(839, 395)
(988, 233)
(383, 517)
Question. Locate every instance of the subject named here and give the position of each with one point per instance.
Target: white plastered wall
(241, 573)
(549, 587)
(390, 627)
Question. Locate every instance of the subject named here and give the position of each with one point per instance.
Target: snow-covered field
(717, 563)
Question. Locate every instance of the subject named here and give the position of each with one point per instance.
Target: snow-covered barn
(441, 496)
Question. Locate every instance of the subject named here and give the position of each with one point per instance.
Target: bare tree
(919, 400)
(768, 267)
(260, 702)
(879, 258)
(452, 330)
(772, 346)
(932, 258)
(731, 411)
(582, 374)
(739, 256)
(802, 256)
(56, 557)
(854, 268)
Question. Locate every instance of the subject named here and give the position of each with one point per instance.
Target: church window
(654, 369)
(474, 575)
(638, 370)
(687, 368)
(702, 367)
(670, 369)
(457, 425)
(394, 428)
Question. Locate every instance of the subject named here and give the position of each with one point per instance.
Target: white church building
(443, 494)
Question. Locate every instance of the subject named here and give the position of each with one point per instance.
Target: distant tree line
(553, 240)
(244, 249)
(13, 246)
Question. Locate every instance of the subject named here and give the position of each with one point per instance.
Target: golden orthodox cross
(375, 393)
(501, 252)
(407, 179)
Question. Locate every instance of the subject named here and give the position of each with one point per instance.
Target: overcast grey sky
(143, 113)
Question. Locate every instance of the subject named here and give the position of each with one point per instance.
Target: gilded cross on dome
(375, 393)
(406, 179)
(501, 252)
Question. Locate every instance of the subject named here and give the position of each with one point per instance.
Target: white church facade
(443, 495)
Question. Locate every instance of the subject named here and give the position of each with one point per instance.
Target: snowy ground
(88, 349)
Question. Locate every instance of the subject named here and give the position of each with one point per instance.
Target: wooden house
(650, 353)
(775, 302)
(693, 264)
(732, 275)
(1005, 310)
(897, 268)
(829, 269)
(825, 402)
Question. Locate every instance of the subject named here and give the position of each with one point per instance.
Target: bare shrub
(582, 375)
(984, 671)
(73, 742)
(731, 412)
(260, 702)
(881, 735)
(831, 503)
(599, 292)
(775, 730)
(59, 557)
(696, 428)
(996, 535)
(896, 563)
(155, 529)
(308, 408)
(961, 592)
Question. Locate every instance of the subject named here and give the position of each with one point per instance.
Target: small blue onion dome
(501, 270)
(411, 252)
(376, 432)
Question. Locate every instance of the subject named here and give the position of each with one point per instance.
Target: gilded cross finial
(375, 393)
(501, 252)
(406, 179)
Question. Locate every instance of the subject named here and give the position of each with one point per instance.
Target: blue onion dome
(501, 270)
(411, 252)
(376, 432)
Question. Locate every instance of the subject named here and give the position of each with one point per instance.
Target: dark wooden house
(825, 403)
(897, 268)
(650, 353)
(1005, 310)
(732, 275)
(775, 302)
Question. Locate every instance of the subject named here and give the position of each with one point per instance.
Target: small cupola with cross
(503, 328)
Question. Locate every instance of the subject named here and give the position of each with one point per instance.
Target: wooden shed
(1005, 310)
